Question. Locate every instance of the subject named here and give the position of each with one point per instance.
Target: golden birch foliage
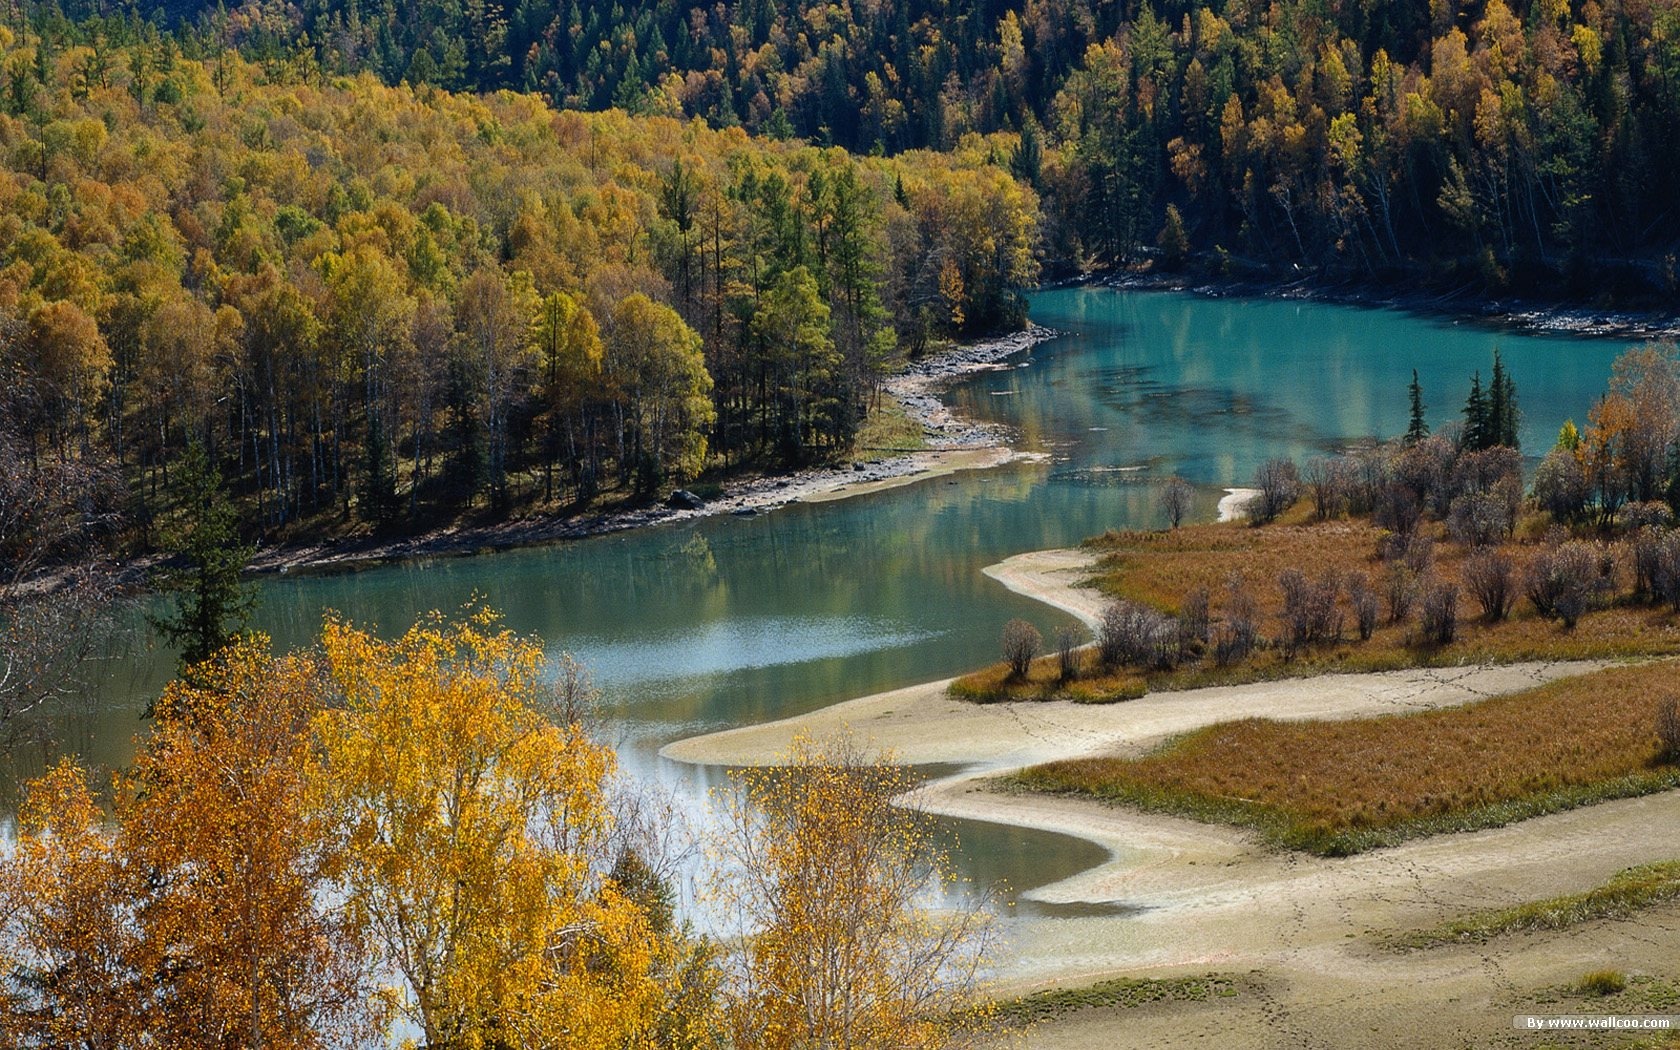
(476, 827)
(69, 936)
(826, 875)
(216, 810)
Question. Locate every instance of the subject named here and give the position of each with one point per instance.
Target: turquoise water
(728, 621)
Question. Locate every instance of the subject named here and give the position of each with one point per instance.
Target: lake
(727, 621)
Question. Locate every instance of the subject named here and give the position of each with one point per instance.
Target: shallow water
(728, 621)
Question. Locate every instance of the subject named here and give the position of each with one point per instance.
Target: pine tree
(212, 602)
(1505, 414)
(1417, 429)
(1476, 422)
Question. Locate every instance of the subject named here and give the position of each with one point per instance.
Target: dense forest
(1491, 143)
(384, 303)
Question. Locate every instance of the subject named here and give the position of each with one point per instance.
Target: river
(726, 621)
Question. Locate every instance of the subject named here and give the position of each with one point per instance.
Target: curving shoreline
(1205, 897)
(962, 444)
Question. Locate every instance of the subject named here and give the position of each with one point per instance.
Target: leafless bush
(1193, 621)
(1021, 642)
(1372, 471)
(1564, 581)
(1653, 513)
(1365, 605)
(1492, 581)
(1665, 568)
(1240, 632)
(1414, 550)
(1279, 486)
(1397, 509)
(1067, 654)
(1400, 588)
(1477, 519)
(1309, 611)
(1484, 470)
(1329, 481)
(1438, 612)
(1426, 468)
(1135, 635)
(1561, 485)
(1176, 496)
(1668, 730)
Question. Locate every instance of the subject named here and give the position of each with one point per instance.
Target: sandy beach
(1302, 932)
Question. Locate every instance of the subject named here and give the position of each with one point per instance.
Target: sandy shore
(955, 443)
(1301, 931)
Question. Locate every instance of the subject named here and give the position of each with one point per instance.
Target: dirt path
(1206, 898)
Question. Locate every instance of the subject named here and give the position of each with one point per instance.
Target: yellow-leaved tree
(73, 975)
(826, 874)
(239, 917)
(199, 913)
(473, 811)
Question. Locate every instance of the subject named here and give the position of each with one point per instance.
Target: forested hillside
(385, 304)
(1499, 143)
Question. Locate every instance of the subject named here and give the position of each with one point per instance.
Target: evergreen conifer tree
(1417, 429)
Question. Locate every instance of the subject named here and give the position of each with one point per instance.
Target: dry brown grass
(1336, 787)
(1159, 568)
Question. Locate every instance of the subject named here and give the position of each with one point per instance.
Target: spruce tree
(1496, 404)
(212, 602)
(1417, 429)
(1476, 423)
(1505, 395)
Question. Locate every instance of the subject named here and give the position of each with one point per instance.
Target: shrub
(1478, 519)
(1330, 481)
(1561, 486)
(1067, 654)
(1240, 633)
(1365, 605)
(1653, 513)
(1193, 621)
(1279, 486)
(1491, 580)
(1668, 730)
(1665, 568)
(1372, 471)
(1176, 496)
(1131, 634)
(1309, 610)
(1438, 612)
(1426, 469)
(1485, 470)
(1400, 590)
(1396, 509)
(1565, 580)
(1021, 642)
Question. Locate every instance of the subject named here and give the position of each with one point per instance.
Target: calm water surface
(729, 621)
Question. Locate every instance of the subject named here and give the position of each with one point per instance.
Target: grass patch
(888, 428)
(1340, 787)
(1120, 993)
(1626, 893)
(1158, 568)
(1603, 982)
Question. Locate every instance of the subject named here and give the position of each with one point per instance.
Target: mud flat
(1303, 934)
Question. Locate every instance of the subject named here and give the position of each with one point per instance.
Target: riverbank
(1306, 933)
(1544, 316)
(955, 443)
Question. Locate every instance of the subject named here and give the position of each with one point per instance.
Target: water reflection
(729, 621)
